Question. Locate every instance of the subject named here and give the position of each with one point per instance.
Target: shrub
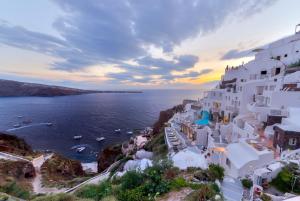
(178, 183)
(59, 197)
(135, 194)
(131, 180)
(109, 198)
(171, 173)
(206, 192)
(283, 180)
(192, 169)
(96, 192)
(216, 172)
(202, 175)
(247, 183)
(265, 197)
(13, 189)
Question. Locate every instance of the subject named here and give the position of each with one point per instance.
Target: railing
(104, 173)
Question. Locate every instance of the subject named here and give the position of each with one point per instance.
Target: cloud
(236, 54)
(94, 32)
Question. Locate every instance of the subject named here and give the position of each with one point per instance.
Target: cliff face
(108, 156)
(16, 169)
(58, 169)
(164, 117)
(15, 145)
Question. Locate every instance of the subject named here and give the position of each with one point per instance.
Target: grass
(15, 190)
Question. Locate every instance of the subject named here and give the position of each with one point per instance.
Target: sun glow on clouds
(129, 43)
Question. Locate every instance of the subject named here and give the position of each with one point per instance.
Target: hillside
(10, 88)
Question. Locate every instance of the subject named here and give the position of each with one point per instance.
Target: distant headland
(10, 88)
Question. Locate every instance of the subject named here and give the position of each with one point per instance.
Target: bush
(178, 183)
(216, 172)
(202, 175)
(206, 192)
(131, 180)
(135, 194)
(283, 180)
(192, 169)
(171, 173)
(109, 198)
(247, 183)
(96, 192)
(59, 197)
(265, 197)
(13, 189)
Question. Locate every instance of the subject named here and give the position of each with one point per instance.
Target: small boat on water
(80, 149)
(20, 116)
(130, 132)
(99, 139)
(77, 137)
(17, 125)
(49, 124)
(27, 121)
(118, 130)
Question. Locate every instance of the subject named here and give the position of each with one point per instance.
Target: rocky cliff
(108, 156)
(13, 144)
(164, 117)
(59, 169)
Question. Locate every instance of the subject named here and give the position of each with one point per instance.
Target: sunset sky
(136, 44)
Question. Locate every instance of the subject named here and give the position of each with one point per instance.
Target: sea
(88, 115)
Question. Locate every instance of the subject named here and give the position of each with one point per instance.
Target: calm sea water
(91, 115)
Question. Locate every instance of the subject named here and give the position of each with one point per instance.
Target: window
(292, 141)
(277, 71)
(285, 55)
(263, 72)
(227, 162)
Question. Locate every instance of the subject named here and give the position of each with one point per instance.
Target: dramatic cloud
(97, 32)
(236, 54)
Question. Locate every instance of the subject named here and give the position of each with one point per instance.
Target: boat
(130, 132)
(20, 117)
(17, 125)
(99, 139)
(49, 124)
(77, 137)
(118, 130)
(27, 121)
(80, 149)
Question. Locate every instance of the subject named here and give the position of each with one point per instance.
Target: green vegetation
(146, 186)
(60, 197)
(296, 64)
(95, 192)
(158, 146)
(15, 190)
(211, 174)
(265, 197)
(206, 192)
(288, 178)
(247, 183)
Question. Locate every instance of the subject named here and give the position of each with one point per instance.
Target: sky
(136, 44)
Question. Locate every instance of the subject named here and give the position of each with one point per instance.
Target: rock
(164, 117)
(108, 156)
(16, 169)
(58, 168)
(13, 144)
